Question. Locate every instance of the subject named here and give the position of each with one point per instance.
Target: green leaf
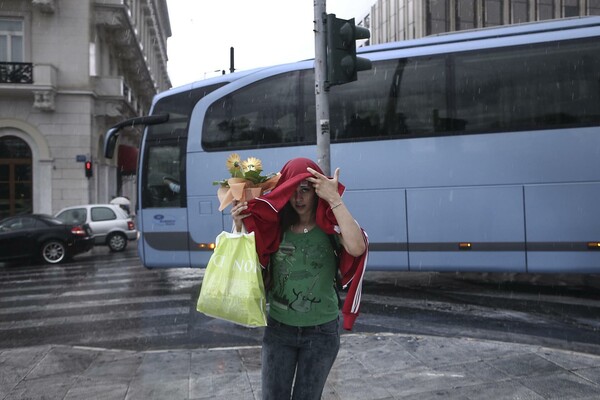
(223, 183)
(254, 176)
(237, 174)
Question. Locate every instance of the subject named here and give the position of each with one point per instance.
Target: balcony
(115, 98)
(24, 79)
(45, 6)
(16, 72)
(113, 19)
(109, 87)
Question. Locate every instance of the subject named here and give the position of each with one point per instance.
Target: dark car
(42, 237)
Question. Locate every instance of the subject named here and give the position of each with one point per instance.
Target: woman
(298, 225)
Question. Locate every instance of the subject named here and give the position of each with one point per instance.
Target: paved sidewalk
(369, 366)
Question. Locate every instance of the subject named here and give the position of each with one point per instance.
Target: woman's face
(304, 199)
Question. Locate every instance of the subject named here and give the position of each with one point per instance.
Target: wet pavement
(369, 366)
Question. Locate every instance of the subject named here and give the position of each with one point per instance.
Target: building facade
(394, 20)
(70, 69)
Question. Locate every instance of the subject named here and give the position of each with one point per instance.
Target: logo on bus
(164, 219)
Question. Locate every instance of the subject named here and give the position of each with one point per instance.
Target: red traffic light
(88, 169)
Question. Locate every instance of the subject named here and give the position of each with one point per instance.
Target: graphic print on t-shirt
(303, 270)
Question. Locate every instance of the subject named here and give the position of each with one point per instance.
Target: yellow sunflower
(252, 164)
(234, 164)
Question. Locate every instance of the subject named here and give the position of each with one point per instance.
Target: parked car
(110, 224)
(38, 236)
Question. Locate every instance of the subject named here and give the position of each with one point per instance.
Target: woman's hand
(326, 188)
(351, 235)
(236, 213)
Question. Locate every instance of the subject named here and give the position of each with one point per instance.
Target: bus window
(395, 98)
(163, 175)
(500, 89)
(264, 114)
(458, 93)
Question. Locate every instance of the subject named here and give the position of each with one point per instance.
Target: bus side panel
(561, 221)
(163, 240)
(205, 223)
(490, 219)
(382, 214)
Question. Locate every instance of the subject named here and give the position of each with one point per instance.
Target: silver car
(110, 224)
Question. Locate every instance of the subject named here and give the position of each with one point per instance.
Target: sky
(262, 32)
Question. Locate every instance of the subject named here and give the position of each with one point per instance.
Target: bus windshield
(164, 150)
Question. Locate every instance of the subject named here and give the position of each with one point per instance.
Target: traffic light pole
(321, 89)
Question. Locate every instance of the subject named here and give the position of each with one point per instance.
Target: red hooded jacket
(264, 221)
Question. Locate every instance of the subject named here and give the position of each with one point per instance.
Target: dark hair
(288, 217)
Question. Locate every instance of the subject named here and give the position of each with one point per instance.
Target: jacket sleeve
(352, 270)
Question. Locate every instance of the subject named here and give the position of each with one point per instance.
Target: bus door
(162, 215)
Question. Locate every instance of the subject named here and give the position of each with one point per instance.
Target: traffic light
(88, 169)
(342, 63)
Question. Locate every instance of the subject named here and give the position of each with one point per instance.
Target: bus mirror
(110, 142)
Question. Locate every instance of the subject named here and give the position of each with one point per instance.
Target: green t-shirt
(303, 272)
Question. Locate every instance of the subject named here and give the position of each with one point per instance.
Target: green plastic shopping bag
(232, 288)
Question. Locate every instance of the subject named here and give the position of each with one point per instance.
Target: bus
(476, 151)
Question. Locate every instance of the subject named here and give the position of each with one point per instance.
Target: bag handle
(233, 230)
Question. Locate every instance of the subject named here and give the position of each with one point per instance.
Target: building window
(15, 177)
(593, 7)
(493, 12)
(465, 15)
(437, 17)
(520, 11)
(545, 9)
(365, 23)
(570, 8)
(11, 40)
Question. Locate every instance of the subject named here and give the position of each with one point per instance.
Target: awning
(127, 160)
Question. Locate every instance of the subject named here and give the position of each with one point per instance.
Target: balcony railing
(16, 72)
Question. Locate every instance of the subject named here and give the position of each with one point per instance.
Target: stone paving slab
(369, 367)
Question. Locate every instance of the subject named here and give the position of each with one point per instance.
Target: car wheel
(116, 242)
(53, 252)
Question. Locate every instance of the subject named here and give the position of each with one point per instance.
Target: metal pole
(321, 90)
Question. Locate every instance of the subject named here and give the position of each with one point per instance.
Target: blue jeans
(306, 352)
